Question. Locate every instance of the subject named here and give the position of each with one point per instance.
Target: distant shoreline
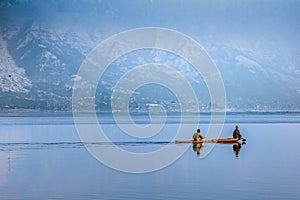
(29, 113)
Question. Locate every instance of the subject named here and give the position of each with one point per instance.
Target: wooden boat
(221, 141)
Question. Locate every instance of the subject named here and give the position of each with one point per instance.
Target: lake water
(42, 157)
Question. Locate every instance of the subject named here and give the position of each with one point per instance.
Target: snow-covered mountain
(43, 43)
(14, 78)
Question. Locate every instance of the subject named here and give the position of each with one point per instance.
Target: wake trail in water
(50, 145)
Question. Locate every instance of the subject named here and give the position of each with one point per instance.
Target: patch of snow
(49, 60)
(42, 46)
(13, 78)
(252, 66)
(76, 77)
(22, 43)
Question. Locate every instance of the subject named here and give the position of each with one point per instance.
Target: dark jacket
(236, 133)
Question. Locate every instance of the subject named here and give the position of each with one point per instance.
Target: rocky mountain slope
(43, 43)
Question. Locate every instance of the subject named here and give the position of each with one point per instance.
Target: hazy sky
(230, 16)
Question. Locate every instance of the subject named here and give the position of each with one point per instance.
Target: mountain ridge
(46, 42)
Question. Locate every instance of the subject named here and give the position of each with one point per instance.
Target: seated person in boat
(237, 133)
(198, 136)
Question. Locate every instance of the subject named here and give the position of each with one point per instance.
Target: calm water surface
(43, 158)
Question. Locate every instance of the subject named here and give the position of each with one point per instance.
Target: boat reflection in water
(236, 146)
(197, 148)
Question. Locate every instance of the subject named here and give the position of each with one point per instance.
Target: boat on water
(220, 140)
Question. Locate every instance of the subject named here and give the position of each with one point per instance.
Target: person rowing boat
(198, 136)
